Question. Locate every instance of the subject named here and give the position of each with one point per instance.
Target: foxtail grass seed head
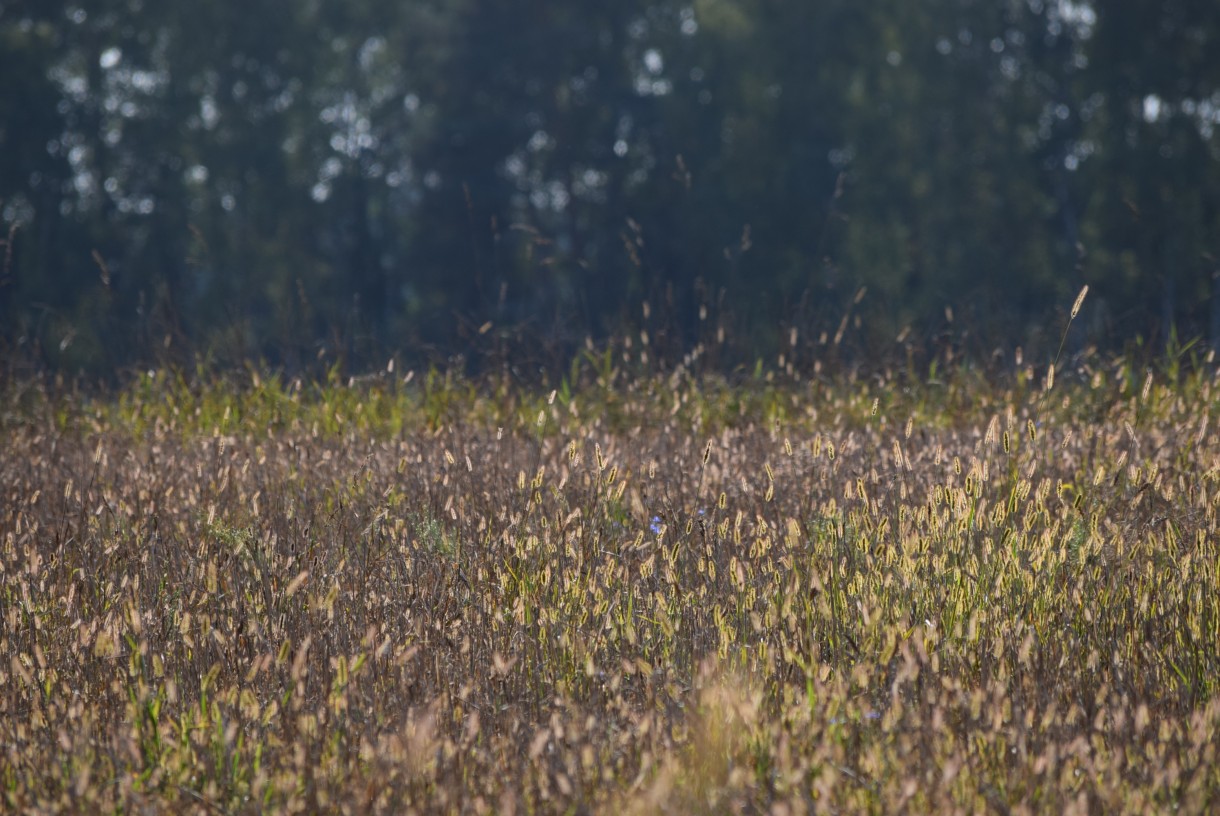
(1079, 301)
(541, 631)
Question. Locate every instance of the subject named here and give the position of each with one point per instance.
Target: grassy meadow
(632, 594)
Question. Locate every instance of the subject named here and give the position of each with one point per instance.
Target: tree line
(290, 180)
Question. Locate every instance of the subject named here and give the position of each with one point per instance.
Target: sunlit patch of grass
(669, 592)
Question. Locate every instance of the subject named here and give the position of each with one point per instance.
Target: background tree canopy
(280, 179)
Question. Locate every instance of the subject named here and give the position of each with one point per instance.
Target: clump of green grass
(666, 593)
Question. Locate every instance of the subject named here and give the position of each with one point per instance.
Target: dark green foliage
(328, 181)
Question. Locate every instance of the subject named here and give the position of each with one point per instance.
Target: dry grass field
(637, 594)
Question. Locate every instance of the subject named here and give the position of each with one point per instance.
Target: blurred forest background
(304, 180)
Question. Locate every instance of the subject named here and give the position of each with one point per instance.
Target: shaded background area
(306, 180)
